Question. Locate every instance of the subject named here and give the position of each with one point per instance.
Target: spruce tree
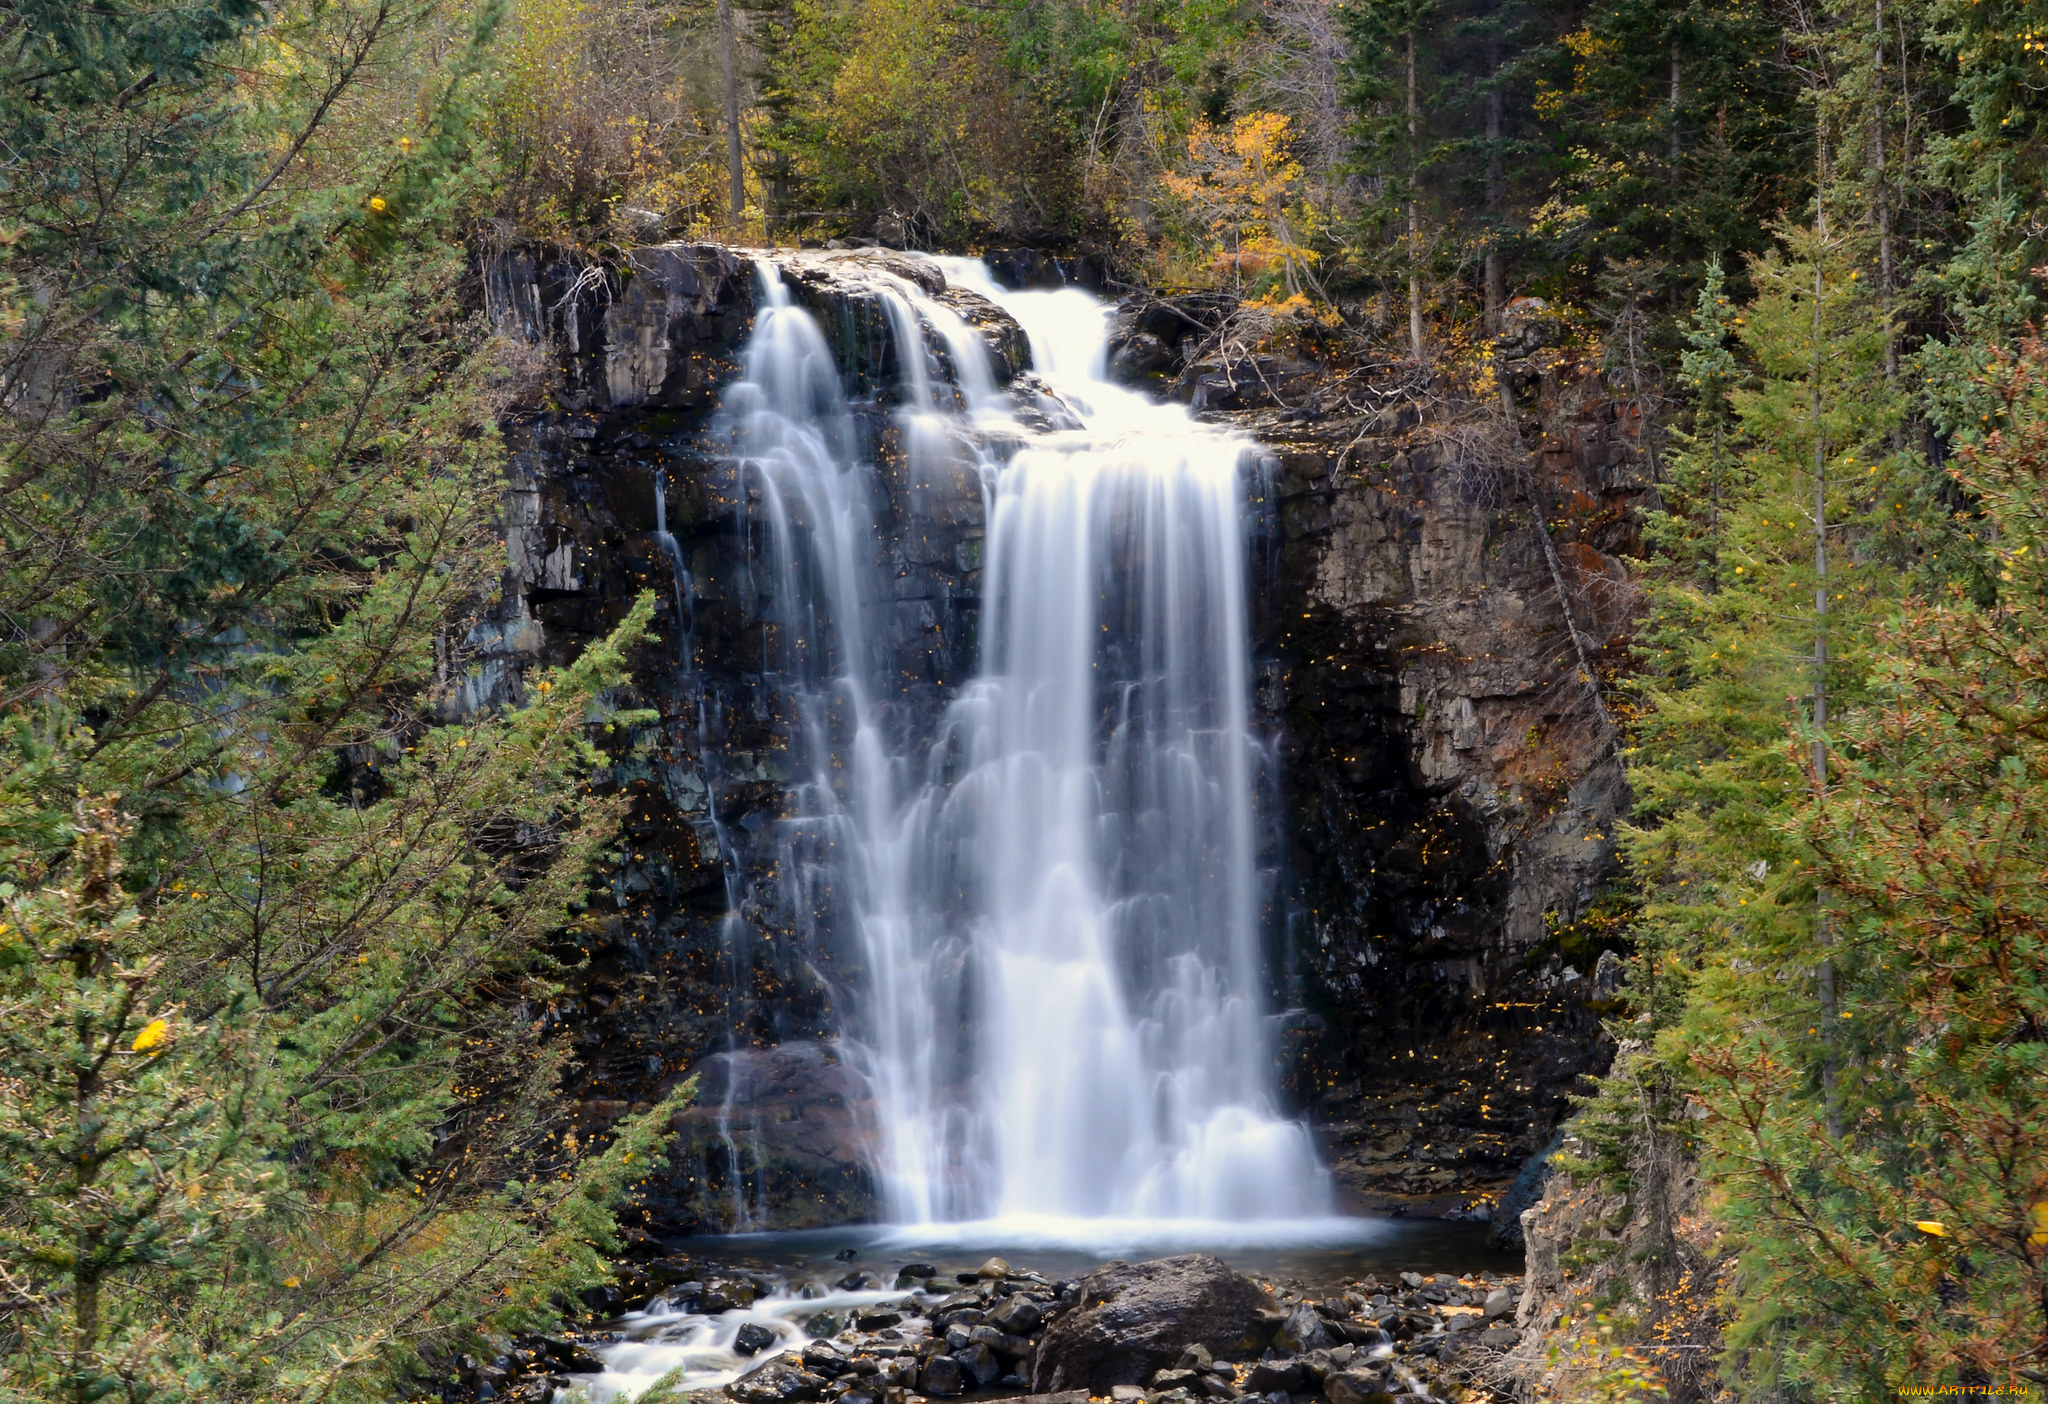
(273, 1117)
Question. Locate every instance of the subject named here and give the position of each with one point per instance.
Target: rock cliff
(1447, 793)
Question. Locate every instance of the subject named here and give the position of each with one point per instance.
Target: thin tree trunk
(1496, 275)
(1675, 148)
(728, 58)
(1825, 975)
(1881, 197)
(1414, 212)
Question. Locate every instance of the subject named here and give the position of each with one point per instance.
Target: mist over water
(1056, 897)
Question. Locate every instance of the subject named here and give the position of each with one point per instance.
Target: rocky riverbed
(1173, 1330)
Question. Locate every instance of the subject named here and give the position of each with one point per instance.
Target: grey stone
(980, 1362)
(779, 1381)
(1001, 1342)
(1278, 1376)
(821, 1359)
(1019, 1316)
(1355, 1387)
(1130, 1320)
(1501, 1302)
(1302, 1332)
(942, 1377)
(753, 1338)
(722, 1294)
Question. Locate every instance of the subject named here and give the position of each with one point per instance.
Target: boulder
(1001, 1342)
(1355, 1387)
(1302, 1332)
(821, 1359)
(1278, 1377)
(980, 1363)
(725, 1294)
(1141, 359)
(942, 1377)
(753, 1339)
(779, 1381)
(1018, 1315)
(1129, 1320)
(1501, 1301)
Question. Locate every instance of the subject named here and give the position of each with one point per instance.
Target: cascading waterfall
(1057, 896)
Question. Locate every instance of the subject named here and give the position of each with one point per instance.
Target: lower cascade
(1057, 897)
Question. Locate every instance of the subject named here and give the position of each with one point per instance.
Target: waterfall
(1055, 898)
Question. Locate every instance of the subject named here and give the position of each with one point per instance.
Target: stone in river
(942, 1377)
(994, 1269)
(1354, 1387)
(1129, 1320)
(917, 1270)
(1302, 1332)
(753, 1339)
(725, 1294)
(780, 1381)
(980, 1362)
(1018, 1315)
(1001, 1342)
(1277, 1377)
(821, 1359)
(1500, 1302)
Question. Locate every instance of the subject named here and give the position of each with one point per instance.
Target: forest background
(281, 916)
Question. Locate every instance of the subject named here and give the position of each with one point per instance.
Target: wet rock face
(701, 944)
(1128, 1321)
(1449, 796)
(1446, 807)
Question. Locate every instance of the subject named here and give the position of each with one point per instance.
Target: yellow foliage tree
(1244, 185)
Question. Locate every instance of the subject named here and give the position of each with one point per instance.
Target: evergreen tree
(1673, 133)
(273, 1116)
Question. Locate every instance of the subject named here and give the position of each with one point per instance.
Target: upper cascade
(1056, 897)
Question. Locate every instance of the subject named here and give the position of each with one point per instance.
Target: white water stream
(1057, 897)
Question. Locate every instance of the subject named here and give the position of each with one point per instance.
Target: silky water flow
(1056, 898)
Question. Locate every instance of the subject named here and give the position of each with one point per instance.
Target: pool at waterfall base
(804, 1297)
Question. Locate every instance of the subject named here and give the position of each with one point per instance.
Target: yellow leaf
(1931, 1227)
(2039, 1237)
(153, 1034)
